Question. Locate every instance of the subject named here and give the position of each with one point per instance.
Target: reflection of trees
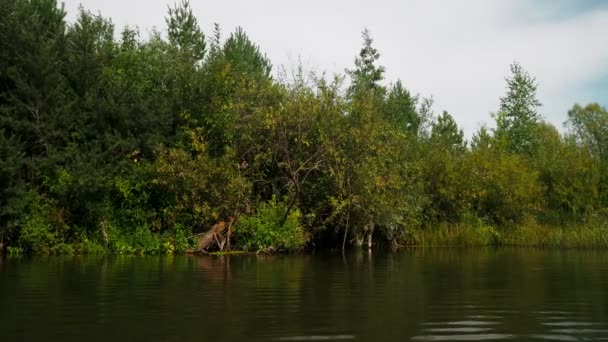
(375, 296)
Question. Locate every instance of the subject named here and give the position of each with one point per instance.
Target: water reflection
(421, 295)
(465, 337)
(317, 338)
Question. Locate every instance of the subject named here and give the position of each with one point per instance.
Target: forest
(111, 143)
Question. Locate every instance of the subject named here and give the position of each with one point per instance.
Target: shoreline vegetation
(191, 141)
(545, 237)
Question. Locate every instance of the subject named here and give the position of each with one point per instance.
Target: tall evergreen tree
(184, 31)
(367, 73)
(446, 133)
(245, 57)
(400, 109)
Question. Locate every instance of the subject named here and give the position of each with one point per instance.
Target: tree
(199, 190)
(236, 84)
(130, 145)
(366, 73)
(400, 109)
(518, 113)
(590, 129)
(35, 93)
(12, 191)
(572, 185)
(245, 57)
(301, 138)
(90, 48)
(378, 187)
(589, 125)
(184, 32)
(445, 132)
(502, 187)
(444, 171)
(482, 139)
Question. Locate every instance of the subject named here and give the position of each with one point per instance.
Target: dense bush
(271, 228)
(137, 145)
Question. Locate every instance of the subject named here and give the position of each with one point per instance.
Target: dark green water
(432, 295)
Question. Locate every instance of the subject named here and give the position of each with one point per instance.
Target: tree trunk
(346, 228)
(370, 232)
(210, 236)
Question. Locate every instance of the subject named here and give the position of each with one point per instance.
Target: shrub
(43, 229)
(270, 228)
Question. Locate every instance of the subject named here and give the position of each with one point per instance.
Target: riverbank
(137, 145)
(584, 236)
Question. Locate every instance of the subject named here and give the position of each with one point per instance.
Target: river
(411, 295)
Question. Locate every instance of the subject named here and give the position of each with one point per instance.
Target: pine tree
(446, 133)
(400, 109)
(245, 57)
(366, 73)
(184, 31)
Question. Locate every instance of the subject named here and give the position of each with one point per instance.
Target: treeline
(109, 142)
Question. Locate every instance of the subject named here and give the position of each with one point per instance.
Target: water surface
(420, 295)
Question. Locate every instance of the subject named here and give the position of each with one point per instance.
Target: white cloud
(457, 51)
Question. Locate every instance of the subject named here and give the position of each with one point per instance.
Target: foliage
(503, 189)
(184, 32)
(445, 133)
(268, 230)
(110, 142)
(589, 125)
(455, 236)
(518, 112)
(400, 109)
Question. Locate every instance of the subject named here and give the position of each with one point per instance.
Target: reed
(588, 235)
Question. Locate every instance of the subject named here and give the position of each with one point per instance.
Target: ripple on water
(553, 337)
(485, 317)
(554, 312)
(580, 331)
(457, 330)
(569, 324)
(466, 323)
(463, 337)
(316, 338)
(556, 318)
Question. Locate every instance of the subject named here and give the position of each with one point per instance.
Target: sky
(458, 52)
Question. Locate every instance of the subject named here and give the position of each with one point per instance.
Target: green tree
(245, 57)
(367, 73)
(445, 132)
(444, 172)
(400, 109)
(504, 189)
(518, 113)
(572, 185)
(482, 139)
(589, 125)
(36, 105)
(378, 189)
(184, 32)
(196, 189)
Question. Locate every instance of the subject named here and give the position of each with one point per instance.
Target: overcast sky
(456, 51)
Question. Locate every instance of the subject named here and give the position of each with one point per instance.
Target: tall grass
(455, 236)
(592, 235)
(573, 236)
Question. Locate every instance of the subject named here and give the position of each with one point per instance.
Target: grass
(575, 236)
(472, 234)
(455, 236)
(527, 235)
